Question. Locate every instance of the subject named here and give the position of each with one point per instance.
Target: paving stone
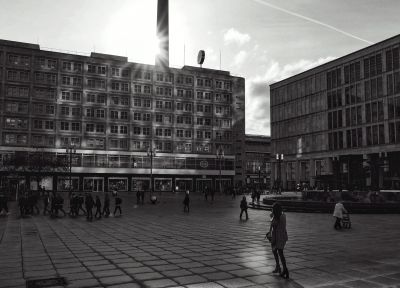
(147, 276)
(107, 273)
(159, 283)
(189, 279)
(83, 283)
(205, 285)
(120, 279)
(235, 283)
(218, 276)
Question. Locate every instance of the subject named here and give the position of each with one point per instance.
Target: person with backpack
(243, 208)
(89, 202)
(98, 207)
(118, 202)
(106, 207)
(186, 202)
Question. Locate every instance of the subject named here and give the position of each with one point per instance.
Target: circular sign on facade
(203, 164)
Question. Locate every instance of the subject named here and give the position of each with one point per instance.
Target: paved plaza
(160, 246)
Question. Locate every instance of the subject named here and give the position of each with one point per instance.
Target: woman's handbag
(268, 236)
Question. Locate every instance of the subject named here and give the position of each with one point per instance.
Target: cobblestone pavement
(160, 246)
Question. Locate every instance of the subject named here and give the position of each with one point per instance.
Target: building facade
(339, 123)
(114, 112)
(258, 162)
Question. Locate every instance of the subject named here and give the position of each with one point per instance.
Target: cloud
(258, 96)
(240, 58)
(234, 36)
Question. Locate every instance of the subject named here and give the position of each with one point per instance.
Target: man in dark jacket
(243, 208)
(89, 202)
(118, 202)
(186, 202)
(98, 207)
(106, 207)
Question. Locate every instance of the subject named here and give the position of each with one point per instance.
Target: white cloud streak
(234, 36)
(262, 2)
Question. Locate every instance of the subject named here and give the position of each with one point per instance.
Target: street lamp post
(70, 150)
(279, 158)
(151, 153)
(220, 156)
(259, 177)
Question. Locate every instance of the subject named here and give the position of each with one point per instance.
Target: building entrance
(202, 184)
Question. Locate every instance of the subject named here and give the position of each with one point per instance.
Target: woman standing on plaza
(278, 237)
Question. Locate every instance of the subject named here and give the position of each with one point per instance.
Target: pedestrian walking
(46, 202)
(81, 200)
(106, 207)
(142, 196)
(278, 237)
(60, 204)
(243, 208)
(21, 204)
(89, 202)
(338, 214)
(98, 208)
(118, 202)
(3, 204)
(186, 202)
(138, 196)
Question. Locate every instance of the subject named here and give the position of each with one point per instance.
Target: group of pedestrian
(53, 204)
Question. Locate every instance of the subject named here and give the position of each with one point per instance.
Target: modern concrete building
(339, 123)
(114, 113)
(258, 161)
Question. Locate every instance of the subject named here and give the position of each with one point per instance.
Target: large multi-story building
(258, 161)
(339, 123)
(114, 112)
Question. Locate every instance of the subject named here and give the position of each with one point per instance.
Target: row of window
(101, 70)
(76, 96)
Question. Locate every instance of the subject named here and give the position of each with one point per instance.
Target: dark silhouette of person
(81, 200)
(3, 203)
(98, 207)
(46, 202)
(279, 238)
(142, 196)
(138, 197)
(243, 208)
(60, 204)
(206, 193)
(186, 202)
(118, 202)
(21, 204)
(106, 207)
(89, 202)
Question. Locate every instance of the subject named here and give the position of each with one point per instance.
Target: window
(147, 89)
(188, 133)
(146, 117)
(100, 128)
(115, 71)
(91, 98)
(146, 131)
(167, 132)
(137, 116)
(123, 129)
(200, 121)
(159, 118)
(124, 115)
(137, 130)
(207, 134)
(159, 104)
(179, 133)
(159, 132)
(199, 134)
(89, 127)
(114, 114)
(168, 105)
(137, 102)
(100, 113)
(76, 126)
(147, 103)
(64, 126)
(64, 110)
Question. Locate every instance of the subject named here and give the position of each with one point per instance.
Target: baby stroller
(346, 222)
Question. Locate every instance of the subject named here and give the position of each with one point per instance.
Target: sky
(263, 41)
